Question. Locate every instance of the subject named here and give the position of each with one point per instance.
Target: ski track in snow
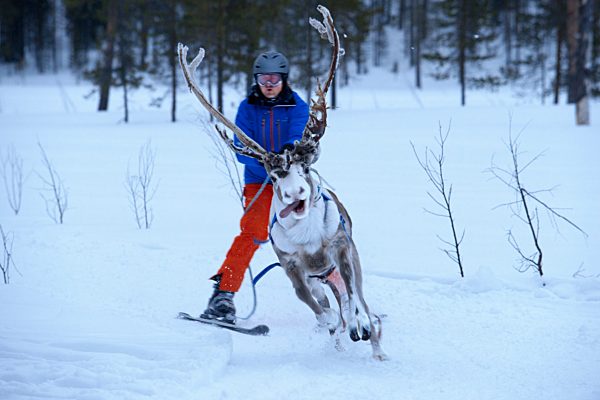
(90, 313)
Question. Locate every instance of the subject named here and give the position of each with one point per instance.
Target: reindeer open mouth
(298, 207)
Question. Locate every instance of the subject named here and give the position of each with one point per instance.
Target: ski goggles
(269, 79)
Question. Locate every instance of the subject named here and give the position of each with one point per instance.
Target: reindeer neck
(308, 234)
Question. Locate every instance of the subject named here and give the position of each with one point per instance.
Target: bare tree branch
(226, 162)
(141, 187)
(57, 200)
(521, 207)
(7, 260)
(432, 164)
(12, 174)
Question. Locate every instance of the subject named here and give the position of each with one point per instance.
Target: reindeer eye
(278, 174)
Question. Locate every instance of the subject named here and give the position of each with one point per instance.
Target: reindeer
(311, 230)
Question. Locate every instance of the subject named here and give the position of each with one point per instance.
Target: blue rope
(264, 272)
(254, 281)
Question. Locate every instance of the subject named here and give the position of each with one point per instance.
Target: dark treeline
(543, 47)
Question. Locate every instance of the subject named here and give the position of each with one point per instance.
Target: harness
(325, 198)
(322, 277)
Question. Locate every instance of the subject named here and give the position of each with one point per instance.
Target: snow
(90, 310)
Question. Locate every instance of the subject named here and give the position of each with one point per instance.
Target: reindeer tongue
(286, 211)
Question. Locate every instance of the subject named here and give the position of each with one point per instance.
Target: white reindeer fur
(306, 232)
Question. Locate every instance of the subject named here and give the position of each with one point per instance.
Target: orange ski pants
(254, 226)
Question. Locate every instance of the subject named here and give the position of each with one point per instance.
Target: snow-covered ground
(90, 311)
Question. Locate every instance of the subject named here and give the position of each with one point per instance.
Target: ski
(258, 330)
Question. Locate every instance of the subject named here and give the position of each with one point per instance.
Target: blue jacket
(270, 123)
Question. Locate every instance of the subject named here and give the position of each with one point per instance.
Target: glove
(286, 146)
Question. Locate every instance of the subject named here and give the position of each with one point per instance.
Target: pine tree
(127, 73)
(12, 33)
(463, 36)
(162, 24)
(84, 24)
(579, 14)
(103, 73)
(528, 69)
(595, 53)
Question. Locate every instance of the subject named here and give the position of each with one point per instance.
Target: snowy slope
(90, 312)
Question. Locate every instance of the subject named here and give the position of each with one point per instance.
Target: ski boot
(220, 306)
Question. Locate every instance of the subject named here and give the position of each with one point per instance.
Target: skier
(274, 116)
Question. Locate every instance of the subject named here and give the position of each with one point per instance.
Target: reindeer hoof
(366, 333)
(354, 335)
(360, 333)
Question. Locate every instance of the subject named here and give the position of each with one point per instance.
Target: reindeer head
(292, 181)
(290, 169)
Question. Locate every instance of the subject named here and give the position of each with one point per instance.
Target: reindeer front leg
(325, 315)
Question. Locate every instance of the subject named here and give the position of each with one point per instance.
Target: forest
(549, 48)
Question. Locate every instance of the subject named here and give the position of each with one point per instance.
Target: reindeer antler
(307, 149)
(250, 148)
(317, 122)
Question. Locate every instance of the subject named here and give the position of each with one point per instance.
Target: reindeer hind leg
(356, 312)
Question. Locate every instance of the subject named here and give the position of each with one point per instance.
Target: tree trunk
(582, 111)
(220, 56)
(334, 93)
(144, 32)
(560, 38)
(124, 61)
(572, 31)
(419, 20)
(40, 38)
(508, 39)
(518, 36)
(210, 75)
(413, 28)
(401, 13)
(578, 18)
(220, 78)
(462, 44)
(54, 30)
(12, 35)
(125, 96)
(424, 28)
(173, 58)
(377, 24)
(359, 60)
(108, 55)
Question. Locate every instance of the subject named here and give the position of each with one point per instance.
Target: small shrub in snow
(12, 175)
(56, 197)
(525, 207)
(6, 261)
(141, 187)
(433, 165)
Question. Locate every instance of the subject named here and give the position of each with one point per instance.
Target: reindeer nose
(289, 195)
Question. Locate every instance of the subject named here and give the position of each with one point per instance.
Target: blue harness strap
(264, 271)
